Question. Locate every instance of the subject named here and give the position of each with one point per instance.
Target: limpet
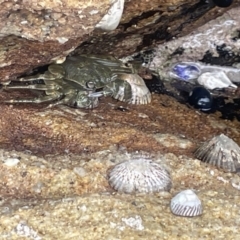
(220, 151)
(186, 204)
(140, 174)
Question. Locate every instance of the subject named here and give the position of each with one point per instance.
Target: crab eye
(90, 85)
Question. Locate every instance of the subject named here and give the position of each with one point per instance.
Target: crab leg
(36, 100)
(117, 89)
(130, 88)
(100, 94)
(45, 76)
(42, 87)
(70, 94)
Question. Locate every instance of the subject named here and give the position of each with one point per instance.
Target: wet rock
(213, 43)
(34, 33)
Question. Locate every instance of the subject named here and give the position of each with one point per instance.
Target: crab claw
(96, 94)
(140, 94)
(128, 87)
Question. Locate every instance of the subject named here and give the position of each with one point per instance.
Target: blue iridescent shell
(185, 71)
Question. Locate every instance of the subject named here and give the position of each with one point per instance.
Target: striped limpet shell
(186, 204)
(140, 174)
(222, 152)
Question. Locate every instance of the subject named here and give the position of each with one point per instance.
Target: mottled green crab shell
(82, 70)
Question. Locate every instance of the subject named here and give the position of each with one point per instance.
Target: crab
(81, 80)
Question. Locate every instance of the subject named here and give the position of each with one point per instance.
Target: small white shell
(186, 204)
(232, 73)
(191, 70)
(215, 80)
(222, 152)
(111, 20)
(10, 162)
(139, 175)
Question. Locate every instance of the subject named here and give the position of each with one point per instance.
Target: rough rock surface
(35, 33)
(216, 42)
(66, 195)
(54, 163)
(50, 20)
(149, 23)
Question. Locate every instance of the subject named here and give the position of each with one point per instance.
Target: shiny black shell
(223, 3)
(201, 98)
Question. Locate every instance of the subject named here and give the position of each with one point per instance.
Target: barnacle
(111, 20)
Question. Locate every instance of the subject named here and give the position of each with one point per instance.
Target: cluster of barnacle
(142, 174)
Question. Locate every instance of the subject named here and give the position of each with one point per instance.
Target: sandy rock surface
(55, 185)
(54, 164)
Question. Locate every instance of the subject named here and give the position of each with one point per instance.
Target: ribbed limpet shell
(222, 152)
(186, 204)
(140, 174)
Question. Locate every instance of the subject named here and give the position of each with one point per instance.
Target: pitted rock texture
(54, 163)
(68, 197)
(50, 20)
(64, 129)
(34, 33)
(19, 55)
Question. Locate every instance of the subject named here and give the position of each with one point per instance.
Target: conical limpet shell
(186, 204)
(140, 174)
(222, 152)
